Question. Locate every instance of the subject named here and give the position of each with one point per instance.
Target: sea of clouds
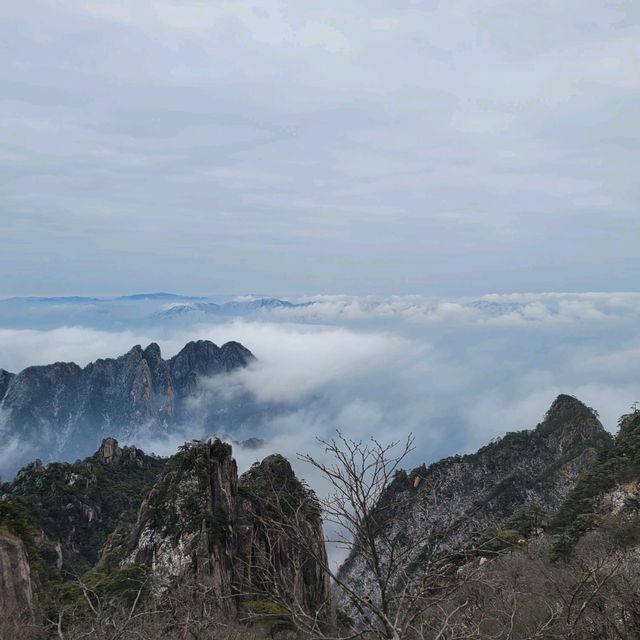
(454, 372)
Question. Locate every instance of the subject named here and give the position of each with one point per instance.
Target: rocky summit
(63, 411)
(450, 504)
(494, 540)
(183, 519)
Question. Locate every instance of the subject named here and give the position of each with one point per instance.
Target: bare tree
(408, 575)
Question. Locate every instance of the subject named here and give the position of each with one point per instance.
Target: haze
(300, 148)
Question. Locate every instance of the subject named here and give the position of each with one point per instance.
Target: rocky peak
(67, 410)
(5, 379)
(135, 353)
(109, 451)
(200, 521)
(466, 495)
(152, 353)
(234, 355)
(572, 424)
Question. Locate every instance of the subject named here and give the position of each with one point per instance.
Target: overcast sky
(455, 147)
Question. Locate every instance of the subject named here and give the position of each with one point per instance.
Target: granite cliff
(63, 411)
(200, 522)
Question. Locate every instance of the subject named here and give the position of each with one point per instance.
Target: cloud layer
(258, 146)
(456, 373)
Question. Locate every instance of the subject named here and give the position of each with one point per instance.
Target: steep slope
(450, 503)
(62, 411)
(77, 505)
(199, 522)
(16, 589)
(608, 487)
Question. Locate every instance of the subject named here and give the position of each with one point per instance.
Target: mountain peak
(136, 393)
(109, 451)
(573, 422)
(570, 416)
(566, 403)
(152, 352)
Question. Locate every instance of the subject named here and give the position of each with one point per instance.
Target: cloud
(20, 348)
(455, 372)
(394, 148)
(490, 310)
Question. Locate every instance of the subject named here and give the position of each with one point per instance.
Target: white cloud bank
(473, 370)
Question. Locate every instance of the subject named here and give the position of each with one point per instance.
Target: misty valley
(534, 535)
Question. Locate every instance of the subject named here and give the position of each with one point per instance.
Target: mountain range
(63, 411)
(531, 499)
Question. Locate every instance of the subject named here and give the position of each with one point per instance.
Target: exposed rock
(16, 589)
(109, 451)
(5, 379)
(200, 522)
(78, 505)
(270, 492)
(64, 411)
(457, 498)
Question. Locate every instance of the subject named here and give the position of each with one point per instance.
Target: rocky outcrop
(200, 522)
(450, 503)
(291, 556)
(110, 453)
(63, 411)
(77, 505)
(16, 588)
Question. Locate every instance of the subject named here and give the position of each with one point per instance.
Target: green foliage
(616, 464)
(181, 500)
(100, 591)
(274, 489)
(527, 519)
(269, 615)
(81, 503)
(124, 584)
(15, 519)
(497, 541)
(622, 530)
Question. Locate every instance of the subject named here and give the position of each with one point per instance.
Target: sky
(435, 148)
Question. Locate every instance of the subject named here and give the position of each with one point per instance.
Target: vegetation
(618, 463)
(15, 519)
(81, 503)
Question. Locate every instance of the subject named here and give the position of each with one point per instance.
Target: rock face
(16, 589)
(199, 521)
(454, 500)
(291, 557)
(63, 411)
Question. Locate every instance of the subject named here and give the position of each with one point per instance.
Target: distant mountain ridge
(62, 410)
(231, 308)
(135, 310)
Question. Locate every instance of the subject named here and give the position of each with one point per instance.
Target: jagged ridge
(458, 498)
(63, 411)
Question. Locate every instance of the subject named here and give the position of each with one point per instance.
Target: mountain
(611, 485)
(201, 522)
(539, 532)
(452, 503)
(187, 519)
(194, 310)
(161, 295)
(78, 505)
(63, 410)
